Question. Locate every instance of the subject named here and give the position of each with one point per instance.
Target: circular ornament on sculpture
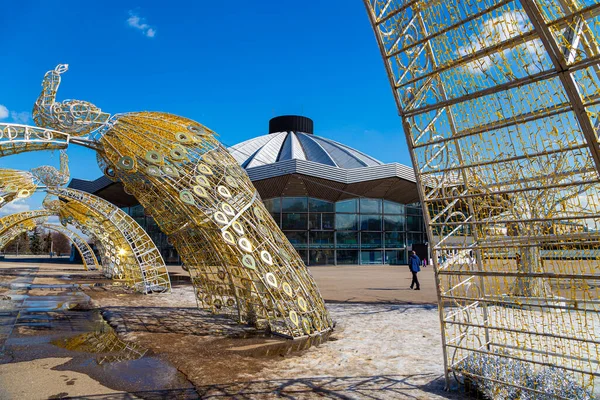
(224, 192)
(258, 213)
(187, 197)
(178, 153)
(231, 181)
(24, 193)
(220, 218)
(154, 157)
(287, 289)
(153, 170)
(245, 245)
(237, 227)
(126, 163)
(293, 317)
(306, 326)
(227, 209)
(271, 279)
(204, 169)
(228, 237)
(202, 181)
(248, 261)
(170, 171)
(183, 137)
(266, 257)
(200, 191)
(302, 303)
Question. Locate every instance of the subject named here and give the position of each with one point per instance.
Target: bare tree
(62, 245)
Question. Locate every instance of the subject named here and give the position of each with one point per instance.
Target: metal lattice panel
(87, 255)
(90, 262)
(16, 138)
(136, 244)
(499, 103)
(240, 262)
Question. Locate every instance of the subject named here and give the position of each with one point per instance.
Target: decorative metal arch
(17, 138)
(11, 220)
(87, 255)
(145, 256)
(11, 233)
(15, 184)
(90, 262)
(499, 103)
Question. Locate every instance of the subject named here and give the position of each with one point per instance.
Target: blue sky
(228, 65)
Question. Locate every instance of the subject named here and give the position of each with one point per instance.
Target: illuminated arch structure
(90, 262)
(499, 102)
(130, 254)
(127, 252)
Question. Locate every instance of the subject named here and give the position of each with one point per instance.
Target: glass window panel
(277, 219)
(345, 257)
(294, 204)
(394, 239)
(346, 222)
(414, 210)
(393, 222)
(141, 221)
(273, 205)
(321, 257)
(389, 207)
(319, 205)
(294, 221)
(151, 225)
(321, 240)
(303, 255)
(137, 211)
(370, 222)
(370, 240)
(370, 206)
(297, 239)
(370, 257)
(314, 221)
(415, 238)
(395, 257)
(347, 240)
(327, 221)
(346, 206)
(414, 223)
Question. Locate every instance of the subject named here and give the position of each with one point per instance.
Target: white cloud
(3, 111)
(135, 21)
(495, 31)
(16, 206)
(22, 117)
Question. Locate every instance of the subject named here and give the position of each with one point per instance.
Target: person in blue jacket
(414, 263)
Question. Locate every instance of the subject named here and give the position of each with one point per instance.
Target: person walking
(414, 264)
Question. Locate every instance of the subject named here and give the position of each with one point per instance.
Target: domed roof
(282, 146)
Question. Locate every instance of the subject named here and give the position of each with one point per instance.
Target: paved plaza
(69, 332)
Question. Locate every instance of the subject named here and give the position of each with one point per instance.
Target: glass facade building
(354, 231)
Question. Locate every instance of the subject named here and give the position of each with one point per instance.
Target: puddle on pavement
(103, 342)
(60, 324)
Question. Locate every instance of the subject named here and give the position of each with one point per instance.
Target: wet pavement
(58, 323)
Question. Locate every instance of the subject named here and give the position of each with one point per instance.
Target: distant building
(335, 204)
